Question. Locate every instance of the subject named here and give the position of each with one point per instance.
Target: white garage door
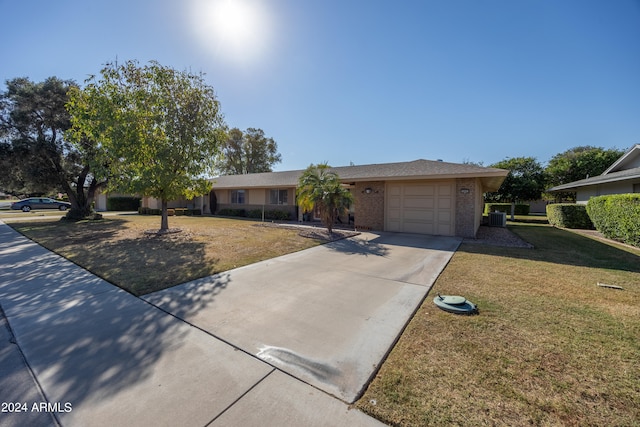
(426, 208)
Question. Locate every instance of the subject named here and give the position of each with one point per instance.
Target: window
(237, 197)
(278, 197)
(636, 188)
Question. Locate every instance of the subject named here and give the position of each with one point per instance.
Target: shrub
(568, 215)
(277, 215)
(255, 213)
(520, 209)
(617, 216)
(232, 212)
(272, 215)
(124, 203)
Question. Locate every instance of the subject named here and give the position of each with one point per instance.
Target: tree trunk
(80, 208)
(91, 192)
(329, 220)
(164, 223)
(80, 201)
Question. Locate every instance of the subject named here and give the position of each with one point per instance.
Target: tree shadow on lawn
(560, 246)
(137, 262)
(85, 339)
(146, 264)
(68, 232)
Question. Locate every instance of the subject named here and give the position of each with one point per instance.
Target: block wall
(369, 207)
(468, 214)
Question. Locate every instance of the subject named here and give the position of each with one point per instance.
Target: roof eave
(621, 159)
(427, 177)
(596, 181)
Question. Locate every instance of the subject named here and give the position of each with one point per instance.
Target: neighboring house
(100, 200)
(622, 177)
(422, 196)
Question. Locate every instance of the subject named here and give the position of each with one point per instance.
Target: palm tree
(320, 187)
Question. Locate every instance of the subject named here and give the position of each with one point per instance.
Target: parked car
(40, 203)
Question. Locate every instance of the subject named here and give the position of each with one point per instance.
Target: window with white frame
(278, 197)
(237, 197)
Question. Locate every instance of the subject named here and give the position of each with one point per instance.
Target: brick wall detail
(369, 207)
(466, 207)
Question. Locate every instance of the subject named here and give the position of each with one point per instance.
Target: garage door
(426, 208)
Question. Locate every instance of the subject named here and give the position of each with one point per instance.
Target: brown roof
(417, 169)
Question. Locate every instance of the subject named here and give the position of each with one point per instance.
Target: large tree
(319, 187)
(248, 152)
(160, 129)
(36, 158)
(526, 180)
(579, 163)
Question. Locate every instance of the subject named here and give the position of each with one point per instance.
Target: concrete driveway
(327, 315)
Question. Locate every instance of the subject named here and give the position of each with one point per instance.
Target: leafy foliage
(617, 216)
(159, 129)
(579, 163)
(123, 203)
(320, 188)
(568, 215)
(232, 212)
(519, 209)
(271, 214)
(526, 180)
(248, 152)
(36, 158)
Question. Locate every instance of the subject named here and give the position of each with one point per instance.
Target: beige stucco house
(421, 196)
(622, 177)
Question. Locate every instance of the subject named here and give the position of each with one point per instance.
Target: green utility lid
(453, 299)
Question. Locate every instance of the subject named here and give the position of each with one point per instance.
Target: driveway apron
(326, 315)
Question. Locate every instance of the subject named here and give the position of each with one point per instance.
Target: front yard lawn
(549, 346)
(117, 249)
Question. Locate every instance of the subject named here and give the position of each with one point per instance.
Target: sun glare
(238, 30)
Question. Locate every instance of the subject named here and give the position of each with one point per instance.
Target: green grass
(118, 250)
(549, 347)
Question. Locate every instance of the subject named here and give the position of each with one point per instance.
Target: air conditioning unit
(497, 219)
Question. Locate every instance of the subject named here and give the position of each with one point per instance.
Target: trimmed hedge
(569, 215)
(272, 215)
(617, 216)
(170, 211)
(233, 212)
(124, 203)
(520, 209)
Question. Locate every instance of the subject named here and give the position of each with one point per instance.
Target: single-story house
(421, 196)
(622, 177)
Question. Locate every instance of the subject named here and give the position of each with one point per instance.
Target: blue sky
(368, 81)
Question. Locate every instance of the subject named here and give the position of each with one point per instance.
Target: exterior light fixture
(465, 191)
(368, 190)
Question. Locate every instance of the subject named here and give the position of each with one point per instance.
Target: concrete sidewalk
(103, 357)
